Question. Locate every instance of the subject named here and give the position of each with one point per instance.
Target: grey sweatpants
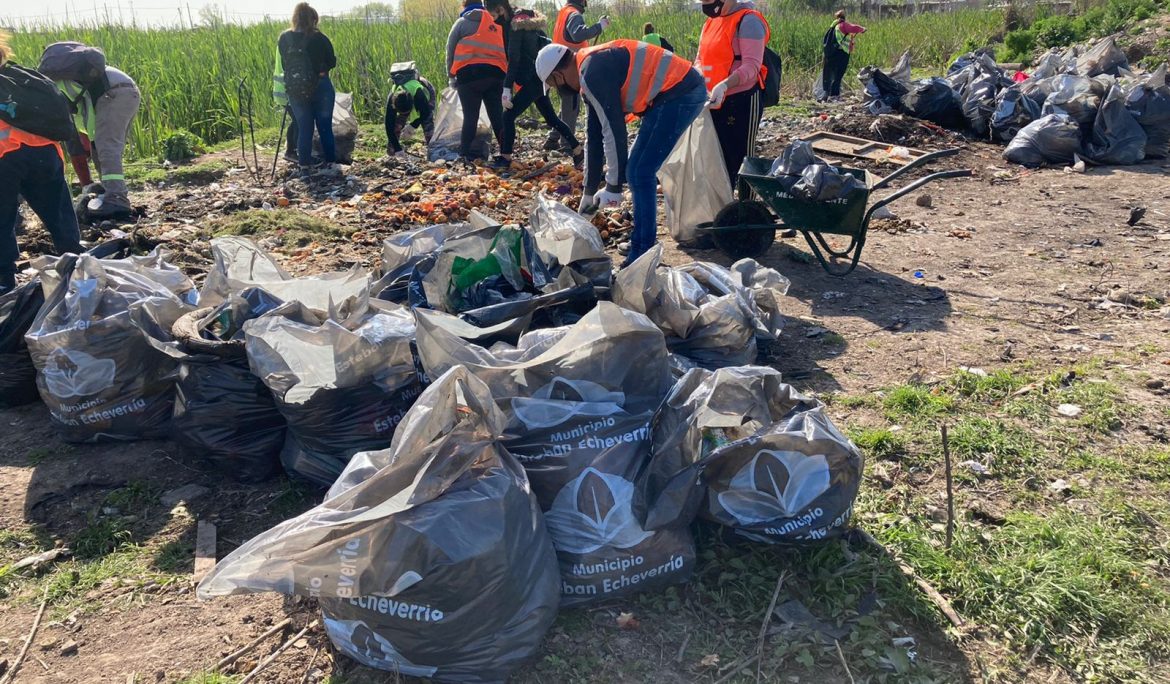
(114, 112)
(570, 110)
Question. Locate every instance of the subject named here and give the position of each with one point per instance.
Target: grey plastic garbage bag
(569, 242)
(240, 264)
(1103, 58)
(742, 449)
(1051, 139)
(882, 94)
(445, 142)
(794, 159)
(824, 183)
(1077, 96)
(1117, 136)
(579, 402)
(18, 375)
(694, 180)
(343, 382)
(1149, 103)
(96, 370)
(429, 558)
(224, 415)
(709, 314)
(345, 129)
(403, 251)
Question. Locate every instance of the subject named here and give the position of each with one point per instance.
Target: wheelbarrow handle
(924, 159)
(961, 173)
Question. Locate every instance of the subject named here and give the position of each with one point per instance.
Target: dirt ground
(1008, 265)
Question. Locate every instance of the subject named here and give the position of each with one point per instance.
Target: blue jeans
(37, 174)
(315, 112)
(662, 126)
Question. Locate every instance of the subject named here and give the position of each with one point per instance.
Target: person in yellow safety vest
(661, 88)
(649, 35)
(571, 31)
(105, 109)
(731, 59)
(838, 45)
(411, 103)
(31, 167)
(477, 63)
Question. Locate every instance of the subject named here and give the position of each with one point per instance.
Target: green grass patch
(209, 678)
(916, 402)
(991, 387)
(1006, 449)
(290, 227)
(880, 443)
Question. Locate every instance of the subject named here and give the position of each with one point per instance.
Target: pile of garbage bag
(579, 401)
(429, 558)
(710, 314)
(1094, 89)
(882, 92)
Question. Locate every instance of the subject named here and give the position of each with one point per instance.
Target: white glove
(718, 93)
(507, 98)
(608, 200)
(604, 22)
(587, 206)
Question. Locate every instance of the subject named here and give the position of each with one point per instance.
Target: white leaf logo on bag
(366, 645)
(562, 400)
(594, 511)
(775, 484)
(73, 373)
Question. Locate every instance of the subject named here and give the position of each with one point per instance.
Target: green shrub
(181, 145)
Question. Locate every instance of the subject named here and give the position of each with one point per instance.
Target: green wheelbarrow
(747, 227)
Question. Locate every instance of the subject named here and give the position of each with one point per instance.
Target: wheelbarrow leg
(852, 252)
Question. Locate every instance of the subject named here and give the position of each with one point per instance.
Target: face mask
(713, 9)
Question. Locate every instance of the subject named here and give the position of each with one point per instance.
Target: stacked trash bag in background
(503, 426)
(1075, 104)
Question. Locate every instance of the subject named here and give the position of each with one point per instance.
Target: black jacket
(526, 39)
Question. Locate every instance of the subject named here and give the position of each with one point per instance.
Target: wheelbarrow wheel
(750, 242)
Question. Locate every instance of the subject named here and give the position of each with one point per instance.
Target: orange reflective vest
(486, 46)
(652, 71)
(715, 54)
(559, 36)
(12, 138)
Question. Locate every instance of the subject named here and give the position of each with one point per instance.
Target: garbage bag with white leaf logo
(342, 380)
(709, 313)
(742, 449)
(224, 415)
(430, 558)
(96, 370)
(579, 402)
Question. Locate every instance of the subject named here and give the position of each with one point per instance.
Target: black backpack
(772, 78)
(300, 79)
(31, 102)
(402, 73)
(829, 43)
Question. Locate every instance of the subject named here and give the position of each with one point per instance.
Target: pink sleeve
(846, 27)
(747, 73)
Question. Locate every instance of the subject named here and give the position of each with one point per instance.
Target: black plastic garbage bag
(980, 92)
(742, 449)
(824, 183)
(933, 99)
(1077, 96)
(429, 559)
(1103, 58)
(794, 159)
(709, 314)
(882, 93)
(224, 415)
(1149, 103)
(579, 402)
(1117, 136)
(96, 370)
(1013, 111)
(1051, 64)
(1051, 139)
(18, 375)
(342, 381)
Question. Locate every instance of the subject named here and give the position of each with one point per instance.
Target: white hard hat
(547, 60)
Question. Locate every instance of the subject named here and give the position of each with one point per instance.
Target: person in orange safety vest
(31, 167)
(477, 63)
(571, 31)
(731, 59)
(661, 88)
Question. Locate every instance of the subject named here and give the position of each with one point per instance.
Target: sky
(17, 12)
